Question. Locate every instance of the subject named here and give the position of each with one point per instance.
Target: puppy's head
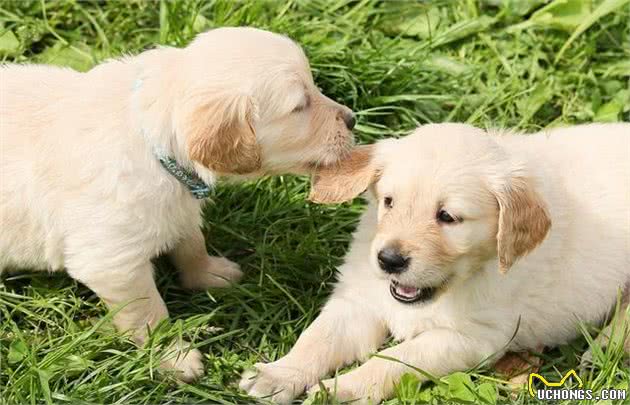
(448, 199)
(246, 103)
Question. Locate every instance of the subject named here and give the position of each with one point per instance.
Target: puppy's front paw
(349, 388)
(275, 381)
(187, 363)
(214, 272)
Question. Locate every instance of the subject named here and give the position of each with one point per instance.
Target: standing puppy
(102, 171)
(468, 238)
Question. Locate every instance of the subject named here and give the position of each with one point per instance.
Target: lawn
(519, 64)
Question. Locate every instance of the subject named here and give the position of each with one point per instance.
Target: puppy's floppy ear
(523, 221)
(346, 179)
(220, 133)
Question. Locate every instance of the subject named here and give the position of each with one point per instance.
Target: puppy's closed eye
(306, 103)
(298, 109)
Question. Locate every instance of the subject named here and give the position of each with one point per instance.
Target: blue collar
(193, 183)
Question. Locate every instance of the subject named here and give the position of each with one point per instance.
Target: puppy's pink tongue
(407, 290)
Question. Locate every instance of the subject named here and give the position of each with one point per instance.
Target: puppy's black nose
(391, 261)
(349, 120)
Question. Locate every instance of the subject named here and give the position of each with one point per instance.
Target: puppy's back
(31, 97)
(587, 164)
(594, 164)
(27, 86)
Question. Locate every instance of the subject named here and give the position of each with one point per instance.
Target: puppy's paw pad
(275, 382)
(187, 363)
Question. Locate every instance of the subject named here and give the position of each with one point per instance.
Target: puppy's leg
(437, 352)
(344, 332)
(618, 328)
(131, 291)
(198, 271)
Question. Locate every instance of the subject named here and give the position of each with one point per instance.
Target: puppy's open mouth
(409, 294)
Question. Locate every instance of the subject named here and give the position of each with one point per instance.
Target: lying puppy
(452, 209)
(104, 170)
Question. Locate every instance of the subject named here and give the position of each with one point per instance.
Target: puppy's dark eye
(445, 217)
(388, 202)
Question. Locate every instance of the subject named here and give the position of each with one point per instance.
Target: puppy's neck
(152, 103)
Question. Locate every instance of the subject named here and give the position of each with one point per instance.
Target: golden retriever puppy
(102, 171)
(468, 238)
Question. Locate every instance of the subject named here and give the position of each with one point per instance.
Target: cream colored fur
(80, 185)
(576, 179)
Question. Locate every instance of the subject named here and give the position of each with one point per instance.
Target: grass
(517, 64)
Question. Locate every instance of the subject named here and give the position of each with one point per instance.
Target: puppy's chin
(327, 159)
(301, 169)
(274, 170)
(307, 167)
